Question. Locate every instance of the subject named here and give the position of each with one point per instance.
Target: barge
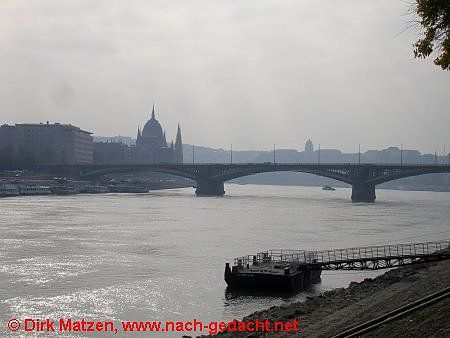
(284, 270)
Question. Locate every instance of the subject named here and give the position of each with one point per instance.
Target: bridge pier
(363, 192)
(209, 188)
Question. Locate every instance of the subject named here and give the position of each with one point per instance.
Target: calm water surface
(161, 256)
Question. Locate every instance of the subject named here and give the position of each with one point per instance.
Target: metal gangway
(358, 258)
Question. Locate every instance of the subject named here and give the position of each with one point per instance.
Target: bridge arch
(133, 169)
(406, 173)
(254, 171)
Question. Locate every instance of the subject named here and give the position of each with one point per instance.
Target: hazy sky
(252, 73)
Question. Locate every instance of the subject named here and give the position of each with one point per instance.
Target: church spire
(153, 111)
(178, 146)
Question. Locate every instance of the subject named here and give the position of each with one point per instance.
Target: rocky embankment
(337, 310)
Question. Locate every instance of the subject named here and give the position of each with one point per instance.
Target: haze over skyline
(250, 73)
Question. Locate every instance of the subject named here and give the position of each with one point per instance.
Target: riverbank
(337, 310)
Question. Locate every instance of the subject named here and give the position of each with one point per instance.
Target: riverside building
(48, 143)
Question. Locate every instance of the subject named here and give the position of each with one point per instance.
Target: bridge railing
(385, 251)
(284, 257)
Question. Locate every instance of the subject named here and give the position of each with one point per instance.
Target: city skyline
(444, 151)
(249, 74)
(131, 140)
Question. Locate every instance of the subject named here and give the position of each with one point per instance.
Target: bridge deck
(359, 258)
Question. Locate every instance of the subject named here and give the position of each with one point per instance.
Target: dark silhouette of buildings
(114, 153)
(39, 143)
(151, 147)
(151, 144)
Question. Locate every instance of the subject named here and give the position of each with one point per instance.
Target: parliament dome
(151, 144)
(152, 128)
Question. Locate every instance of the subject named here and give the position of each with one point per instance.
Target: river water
(161, 255)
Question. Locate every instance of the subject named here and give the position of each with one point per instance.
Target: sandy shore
(334, 311)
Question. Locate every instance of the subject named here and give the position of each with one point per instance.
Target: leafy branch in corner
(435, 20)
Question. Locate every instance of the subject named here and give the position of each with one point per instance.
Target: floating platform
(294, 270)
(265, 271)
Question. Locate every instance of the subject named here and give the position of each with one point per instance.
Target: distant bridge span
(210, 178)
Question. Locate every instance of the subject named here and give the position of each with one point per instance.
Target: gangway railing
(368, 257)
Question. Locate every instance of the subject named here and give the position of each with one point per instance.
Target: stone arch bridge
(210, 178)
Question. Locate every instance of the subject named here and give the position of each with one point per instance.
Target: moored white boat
(95, 189)
(30, 190)
(9, 190)
(65, 190)
(129, 189)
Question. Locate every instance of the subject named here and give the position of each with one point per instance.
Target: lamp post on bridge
(359, 153)
(318, 156)
(448, 174)
(401, 154)
(231, 154)
(448, 157)
(443, 159)
(274, 158)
